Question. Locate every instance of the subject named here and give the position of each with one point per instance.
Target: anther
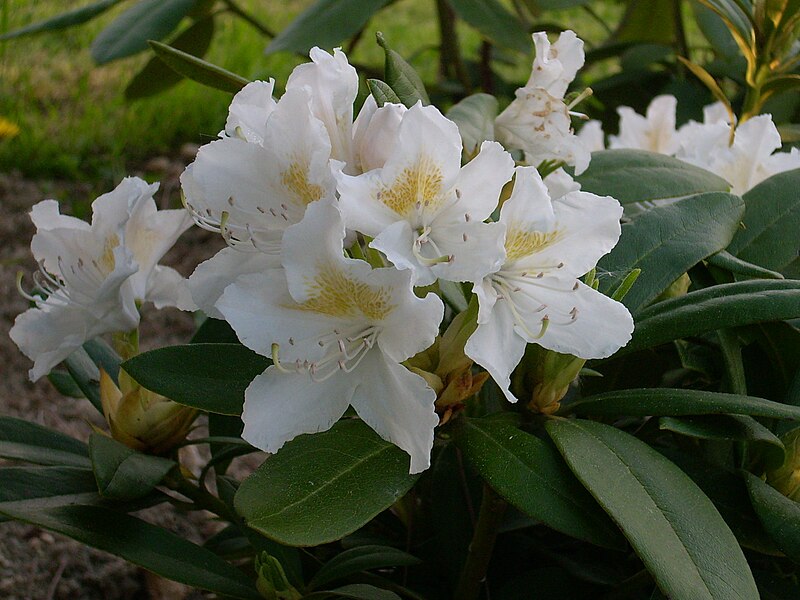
(467, 217)
(576, 286)
(464, 236)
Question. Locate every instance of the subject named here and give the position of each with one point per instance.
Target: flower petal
(481, 180)
(249, 111)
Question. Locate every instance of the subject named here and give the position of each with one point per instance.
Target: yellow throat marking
(107, 262)
(420, 183)
(520, 242)
(295, 178)
(335, 294)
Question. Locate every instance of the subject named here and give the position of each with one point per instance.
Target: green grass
(76, 124)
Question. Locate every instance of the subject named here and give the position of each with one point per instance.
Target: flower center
(417, 189)
(520, 242)
(335, 294)
(295, 178)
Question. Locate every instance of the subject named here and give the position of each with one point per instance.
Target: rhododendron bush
(486, 353)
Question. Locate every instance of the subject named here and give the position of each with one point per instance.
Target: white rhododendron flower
(374, 133)
(424, 209)
(252, 191)
(94, 275)
(538, 120)
(654, 132)
(249, 110)
(748, 161)
(592, 137)
(337, 330)
(536, 297)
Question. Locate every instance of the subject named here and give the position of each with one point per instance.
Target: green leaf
(726, 260)
(737, 428)
(771, 222)
(65, 384)
(140, 543)
(691, 553)
(666, 241)
(46, 486)
(62, 21)
(650, 21)
(401, 77)
(474, 116)
(382, 93)
(779, 515)
(494, 22)
(356, 591)
(198, 70)
(157, 76)
(319, 488)
(359, 559)
(633, 176)
(104, 356)
(123, 473)
(327, 23)
(86, 376)
(529, 473)
(145, 20)
(666, 402)
(210, 377)
(214, 331)
(716, 307)
(23, 440)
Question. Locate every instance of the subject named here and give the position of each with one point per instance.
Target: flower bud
(553, 373)
(786, 478)
(141, 419)
(272, 582)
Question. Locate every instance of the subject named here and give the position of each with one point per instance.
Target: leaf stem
(200, 497)
(473, 575)
(238, 11)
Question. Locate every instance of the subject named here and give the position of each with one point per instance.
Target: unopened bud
(272, 582)
(786, 478)
(553, 373)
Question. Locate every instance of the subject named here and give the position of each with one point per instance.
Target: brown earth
(35, 564)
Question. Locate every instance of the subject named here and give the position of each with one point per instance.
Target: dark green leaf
(382, 93)
(64, 20)
(65, 384)
(23, 440)
(716, 307)
(474, 116)
(494, 22)
(633, 176)
(360, 559)
(726, 260)
(140, 543)
(157, 76)
(666, 241)
(86, 376)
(665, 402)
(648, 496)
(738, 428)
(46, 486)
(771, 223)
(104, 356)
(210, 377)
(401, 77)
(356, 591)
(214, 331)
(318, 488)
(130, 32)
(550, 583)
(650, 21)
(778, 514)
(529, 473)
(327, 23)
(198, 70)
(123, 473)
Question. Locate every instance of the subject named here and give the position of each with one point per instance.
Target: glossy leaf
(770, 237)
(62, 21)
(666, 241)
(198, 70)
(157, 76)
(356, 591)
(214, 331)
(361, 558)
(529, 473)
(716, 307)
(494, 22)
(382, 93)
(123, 473)
(86, 376)
(666, 402)
(23, 440)
(778, 514)
(327, 23)
(475, 117)
(46, 486)
(401, 77)
(633, 176)
(130, 31)
(140, 543)
(210, 377)
(319, 488)
(648, 496)
(726, 260)
(65, 384)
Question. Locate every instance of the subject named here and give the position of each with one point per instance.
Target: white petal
(481, 180)
(249, 111)
(413, 324)
(167, 287)
(279, 406)
(497, 348)
(397, 242)
(476, 248)
(559, 183)
(112, 209)
(555, 66)
(360, 206)
(375, 133)
(398, 405)
(45, 215)
(591, 136)
(529, 205)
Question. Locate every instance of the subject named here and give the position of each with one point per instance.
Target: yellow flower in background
(8, 129)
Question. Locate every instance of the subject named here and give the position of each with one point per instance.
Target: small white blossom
(424, 210)
(536, 296)
(337, 331)
(654, 132)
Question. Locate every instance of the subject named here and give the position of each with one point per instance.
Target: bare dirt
(35, 564)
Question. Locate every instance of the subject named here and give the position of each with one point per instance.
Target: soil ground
(35, 564)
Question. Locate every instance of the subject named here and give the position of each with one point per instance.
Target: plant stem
(238, 11)
(200, 497)
(449, 51)
(493, 507)
(681, 45)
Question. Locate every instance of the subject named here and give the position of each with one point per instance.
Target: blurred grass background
(76, 124)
